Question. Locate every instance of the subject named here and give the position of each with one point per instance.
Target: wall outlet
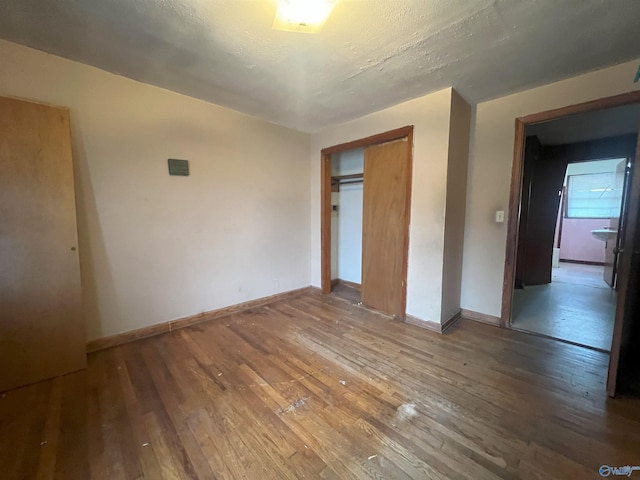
(499, 216)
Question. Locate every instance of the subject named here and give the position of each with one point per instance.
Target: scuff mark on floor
(406, 411)
(295, 405)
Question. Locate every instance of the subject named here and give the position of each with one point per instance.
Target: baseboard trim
(338, 281)
(451, 321)
(426, 324)
(480, 317)
(581, 262)
(433, 326)
(357, 286)
(171, 325)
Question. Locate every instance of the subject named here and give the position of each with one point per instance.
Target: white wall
(430, 116)
(348, 162)
(350, 233)
(490, 173)
(155, 248)
(349, 216)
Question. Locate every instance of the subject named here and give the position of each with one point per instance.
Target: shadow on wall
(92, 251)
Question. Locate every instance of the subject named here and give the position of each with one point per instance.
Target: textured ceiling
(370, 55)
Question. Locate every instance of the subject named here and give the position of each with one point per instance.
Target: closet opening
(347, 182)
(366, 190)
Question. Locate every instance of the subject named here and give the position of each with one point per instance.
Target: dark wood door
(624, 374)
(41, 326)
(531, 155)
(544, 192)
(384, 225)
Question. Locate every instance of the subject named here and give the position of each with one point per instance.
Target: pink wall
(577, 243)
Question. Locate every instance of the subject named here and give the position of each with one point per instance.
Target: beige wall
(430, 116)
(455, 210)
(246, 223)
(490, 173)
(153, 247)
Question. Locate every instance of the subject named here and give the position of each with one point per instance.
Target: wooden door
(547, 177)
(532, 149)
(625, 354)
(41, 326)
(385, 225)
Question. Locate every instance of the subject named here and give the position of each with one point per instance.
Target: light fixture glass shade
(306, 16)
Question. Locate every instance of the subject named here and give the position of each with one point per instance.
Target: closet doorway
(366, 188)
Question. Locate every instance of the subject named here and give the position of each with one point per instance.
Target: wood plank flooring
(347, 292)
(312, 387)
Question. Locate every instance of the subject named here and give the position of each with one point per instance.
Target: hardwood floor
(347, 293)
(314, 387)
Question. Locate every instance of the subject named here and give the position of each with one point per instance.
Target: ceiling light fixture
(306, 16)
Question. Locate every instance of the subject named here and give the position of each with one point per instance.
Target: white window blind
(593, 195)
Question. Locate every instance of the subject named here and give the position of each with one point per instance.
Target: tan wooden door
(385, 226)
(41, 325)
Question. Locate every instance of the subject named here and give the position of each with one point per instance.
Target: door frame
(624, 268)
(325, 201)
(513, 223)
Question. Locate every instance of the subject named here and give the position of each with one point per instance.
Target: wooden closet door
(41, 326)
(384, 226)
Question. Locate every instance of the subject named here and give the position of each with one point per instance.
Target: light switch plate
(499, 216)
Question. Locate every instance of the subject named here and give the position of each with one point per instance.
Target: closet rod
(344, 179)
(347, 182)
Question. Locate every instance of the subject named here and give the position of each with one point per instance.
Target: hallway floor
(578, 306)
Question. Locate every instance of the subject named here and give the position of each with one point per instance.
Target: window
(593, 195)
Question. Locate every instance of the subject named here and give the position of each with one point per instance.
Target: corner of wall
(455, 207)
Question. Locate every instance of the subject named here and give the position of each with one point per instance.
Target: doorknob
(617, 250)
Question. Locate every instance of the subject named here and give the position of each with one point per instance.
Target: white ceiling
(370, 55)
(591, 125)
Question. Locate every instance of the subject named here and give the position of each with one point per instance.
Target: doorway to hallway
(622, 373)
(571, 295)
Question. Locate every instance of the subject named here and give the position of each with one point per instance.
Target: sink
(605, 234)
